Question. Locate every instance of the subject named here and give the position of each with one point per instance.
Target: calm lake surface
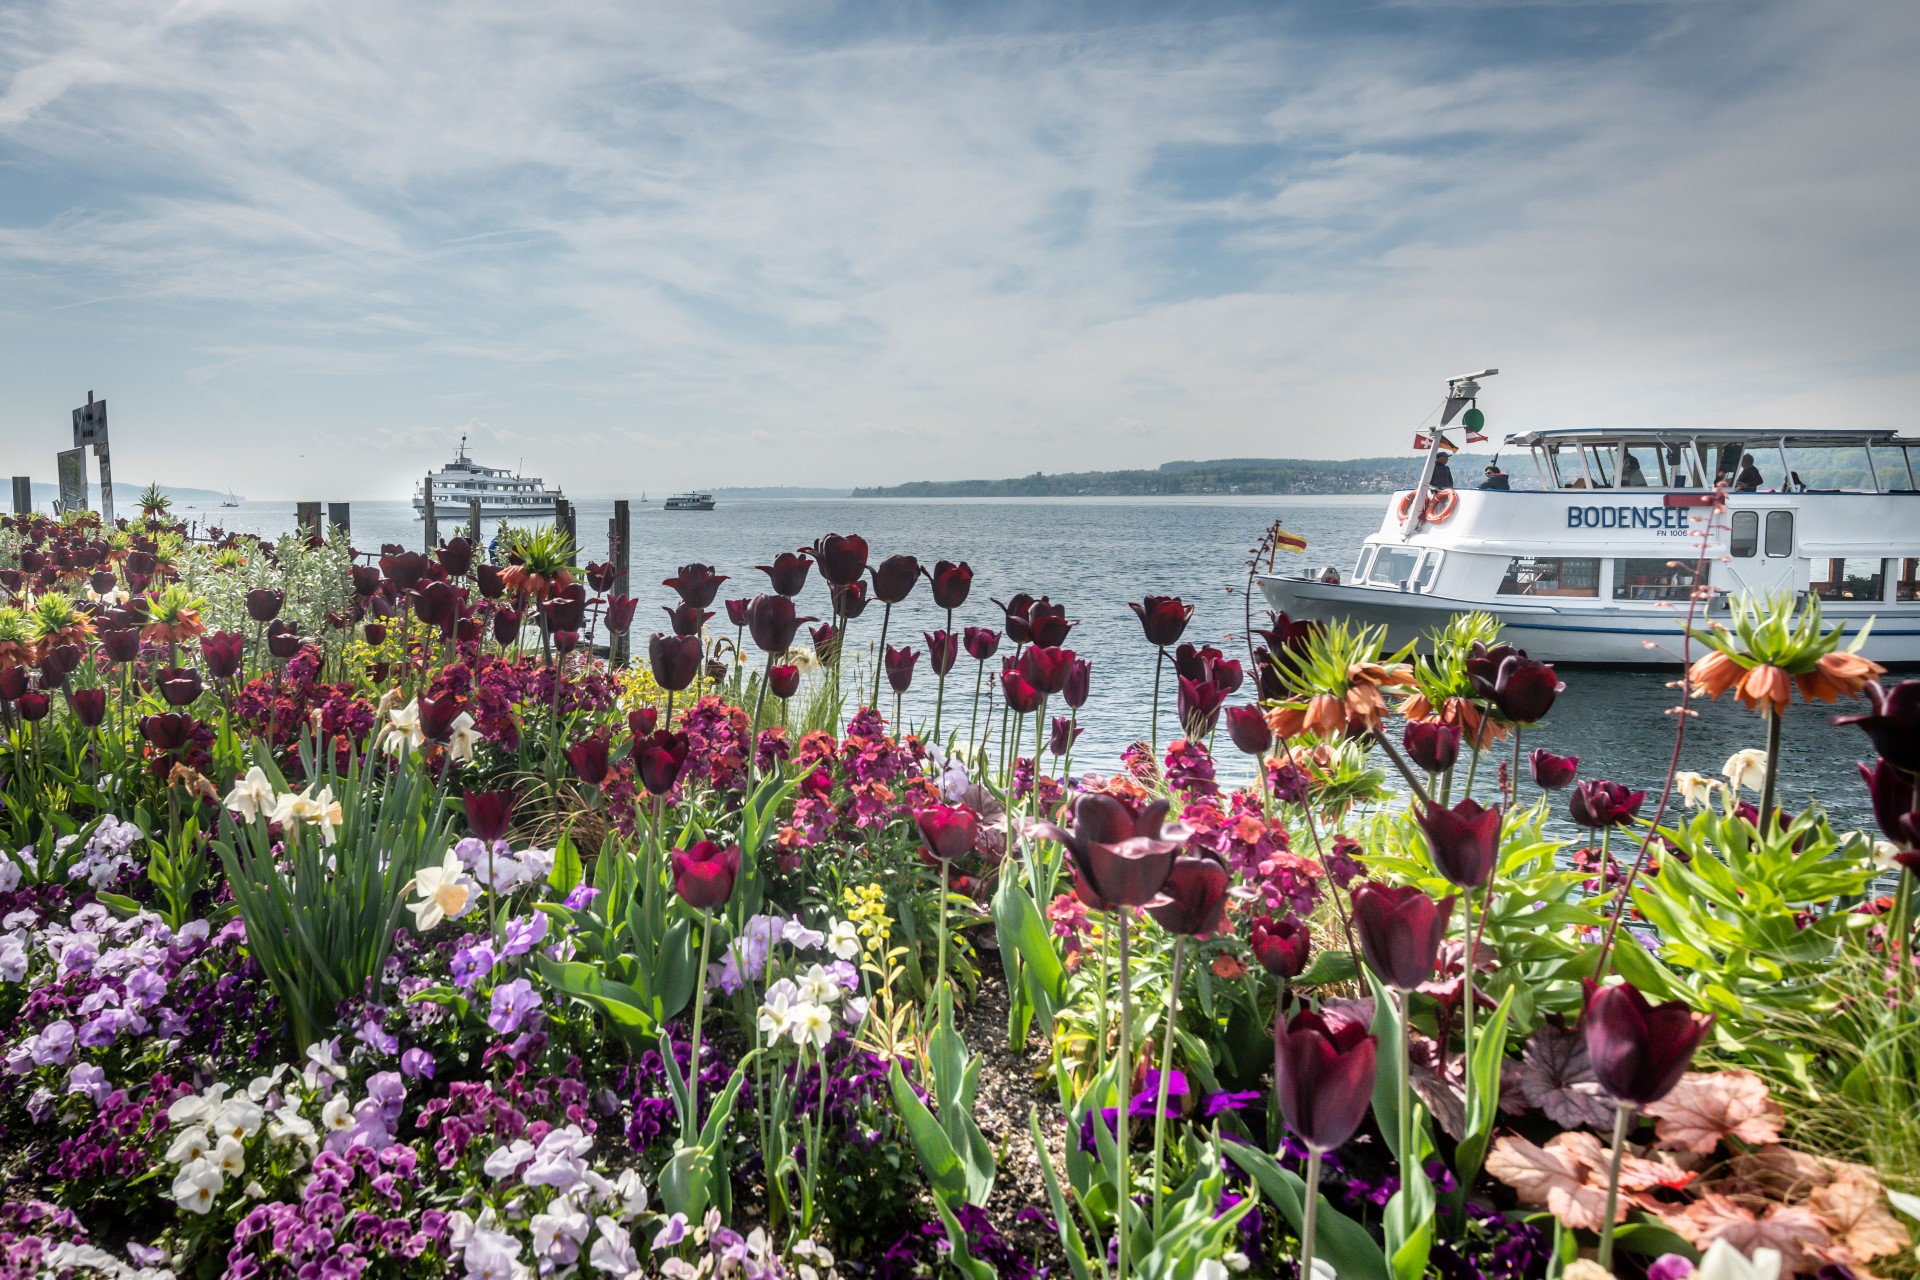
(1095, 555)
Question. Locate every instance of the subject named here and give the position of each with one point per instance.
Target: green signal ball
(1474, 419)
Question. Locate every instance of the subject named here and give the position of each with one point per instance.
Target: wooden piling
(23, 495)
(340, 516)
(563, 519)
(619, 551)
(473, 524)
(306, 518)
(432, 529)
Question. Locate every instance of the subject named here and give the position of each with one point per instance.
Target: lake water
(1095, 555)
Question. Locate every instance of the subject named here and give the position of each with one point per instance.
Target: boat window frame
(1426, 571)
(1772, 522)
(1839, 579)
(1750, 518)
(1676, 568)
(1402, 582)
(1364, 563)
(1560, 562)
(1897, 575)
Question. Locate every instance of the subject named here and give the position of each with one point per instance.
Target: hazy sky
(300, 245)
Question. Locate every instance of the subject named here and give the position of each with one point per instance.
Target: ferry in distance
(1592, 558)
(691, 501)
(501, 492)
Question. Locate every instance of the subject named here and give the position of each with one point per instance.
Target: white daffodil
(196, 1186)
(1724, 1262)
(843, 939)
(1695, 788)
(774, 1014)
(1886, 856)
(1746, 770)
(252, 797)
(446, 892)
(192, 1143)
(230, 1157)
(310, 808)
(810, 1024)
(403, 730)
(462, 738)
(819, 986)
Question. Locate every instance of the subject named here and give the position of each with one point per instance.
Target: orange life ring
(1441, 505)
(1406, 505)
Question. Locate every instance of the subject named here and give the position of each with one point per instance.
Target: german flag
(1288, 541)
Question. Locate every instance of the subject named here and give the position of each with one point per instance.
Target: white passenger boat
(1593, 558)
(501, 492)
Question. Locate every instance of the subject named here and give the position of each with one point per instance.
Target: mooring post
(23, 495)
(432, 529)
(619, 550)
(340, 516)
(473, 523)
(563, 521)
(306, 518)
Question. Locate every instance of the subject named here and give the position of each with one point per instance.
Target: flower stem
(699, 1009)
(1773, 768)
(886, 618)
(1154, 730)
(973, 721)
(1312, 1212)
(1166, 1071)
(1406, 1087)
(940, 972)
(1620, 1119)
(1122, 1198)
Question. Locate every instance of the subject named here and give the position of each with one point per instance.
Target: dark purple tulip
(773, 622)
(589, 759)
(783, 680)
(1163, 618)
(788, 572)
(842, 560)
(1079, 681)
(620, 613)
(1464, 840)
(1597, 803)
(1196, 662)
(405, 569)
(1524, 690)
(1893, 726)
(1282, 946)
(437, 604)
(264, 604)
(850, 600)
(1193, 901)
(686, 619)
(121, 644)
(1401, 930)
(675, 660)
(1047, 623)
(658, 760)
(1896, 803)
(1015, 613)
(893, 578)
(737, 611)
(981, 642)
(642, 721)
(1551, 772)
(825, 639)
(1323, 1077)
(1639, 1050)
(1046, 668)
(506, 625)
(900, 663)
(59, 662)
(1119, 859)
(951, 583)
(1248, 728)
(282, 640)
(1064, 734)
(102, 580)
(1228, 675)
(89, 705)
(33, 706)
(438, 714)
(489, 814)
(168, 731)
(1432, 744)
(942, 648)
(1200, 702)
(1268, 684)
(697, 584)
(222, 651)
(704, 874)
(455, 556)
(179, 686)
(366, 580)
(491, 581)
(949, 830)
(1021, 697)
(467, 629)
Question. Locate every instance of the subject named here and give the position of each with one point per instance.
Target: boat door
(1760, 547)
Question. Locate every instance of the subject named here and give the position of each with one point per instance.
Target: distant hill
(1219, 476)
(125, 495)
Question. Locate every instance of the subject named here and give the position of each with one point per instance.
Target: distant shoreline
(1222, 478)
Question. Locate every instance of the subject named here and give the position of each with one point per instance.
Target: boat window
(1779, 533)
(1551, 576)
(1893, 464)
(1564, 463)
(1600, 458)
(1360, 570)
(1393, 566)
(1429, 569)
(1826, 469)
(1652, 580)
(1848, 580)
(1906, 583)
(1746, 534)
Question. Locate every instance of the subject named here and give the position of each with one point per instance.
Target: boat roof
(1792, 437)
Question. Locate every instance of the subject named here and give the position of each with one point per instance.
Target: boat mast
(1460, 393)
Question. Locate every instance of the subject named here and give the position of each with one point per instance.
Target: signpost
(73, 480)
(90, 428)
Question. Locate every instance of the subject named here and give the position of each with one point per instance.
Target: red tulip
(13, 683)
(1248, 728)
(658, 760)
(1119, 859)
(1282, 946)
(1432, 744)
(33, 706)
(222, 651)
(1519, 689)
(1046, 668)
(263, 604)
(1551, 772)
(456, 556)
(942, 648)
(59, 662)
(850, 600)
(825, 639)
(772, 622)
(1200, 702)
(1464, 840)
(981, 643)
(179, 686)
(641, 721)
(704, 874)
(489, 814)
(841, 560)
(436, 604)
(1193, 901)
(687, 619)
(697, 584)
(404, 569)
(589, 759)
(675, 660)
(1323, 1077)
(788, 572)
(1021, 697)
(1639, 1050)
(282, 640)
(900, 663)
(366, 580)
(375, 632)
(1079, 681)
(601, 575)
(1047, 623)
(1401, 929)
(620, 613)
(949, 830)
(438, 714)
(89, 705)
(1163, 618)
(1893, 726)
(783, 680)
(1597, 803)
(168, 731)
(893, 578)
(1896, 803)
(951, 583)
(102, 580)
(1015, 612)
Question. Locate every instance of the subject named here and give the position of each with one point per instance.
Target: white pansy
(288, 1123)
(252, 796)
(613, 1251)
(507, 1159)
(1724, 1262)
(1746, 770)
(337, 1115)
(325, 1056)
(197, 1185)
(238, 1118)
(192, 1143)
(446, 892)
(631, 1192)
(230, 1157)
(260, 1086)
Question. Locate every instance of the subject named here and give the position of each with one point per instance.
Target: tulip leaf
(628, 1012)
(960, 1259)
(1328, 966)
(930, 1142)
(1489, 1055)
(1387, 1064)
(1070, 1239)
(1344, 1243)
(568, 870)
(1651, 1239)
(673, 978)
(955, 1080)
(1027, 953)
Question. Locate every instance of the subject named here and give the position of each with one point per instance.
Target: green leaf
(1328, 966)
(1489, 1054)
(930, 1142)
(1344, 1243)
(628, 1012)
(568, 870)
(1070, 1239)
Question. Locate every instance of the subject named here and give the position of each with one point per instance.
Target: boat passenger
(1631, 475)
(1496, 478)
(1442, 474)
(1749, 480)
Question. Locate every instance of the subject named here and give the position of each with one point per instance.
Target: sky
(301, 246)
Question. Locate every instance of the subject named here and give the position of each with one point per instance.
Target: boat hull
(444, 509)
(1600, 634)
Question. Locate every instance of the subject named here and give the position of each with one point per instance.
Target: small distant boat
(501, 492)
(690, 502)
(230, 501)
